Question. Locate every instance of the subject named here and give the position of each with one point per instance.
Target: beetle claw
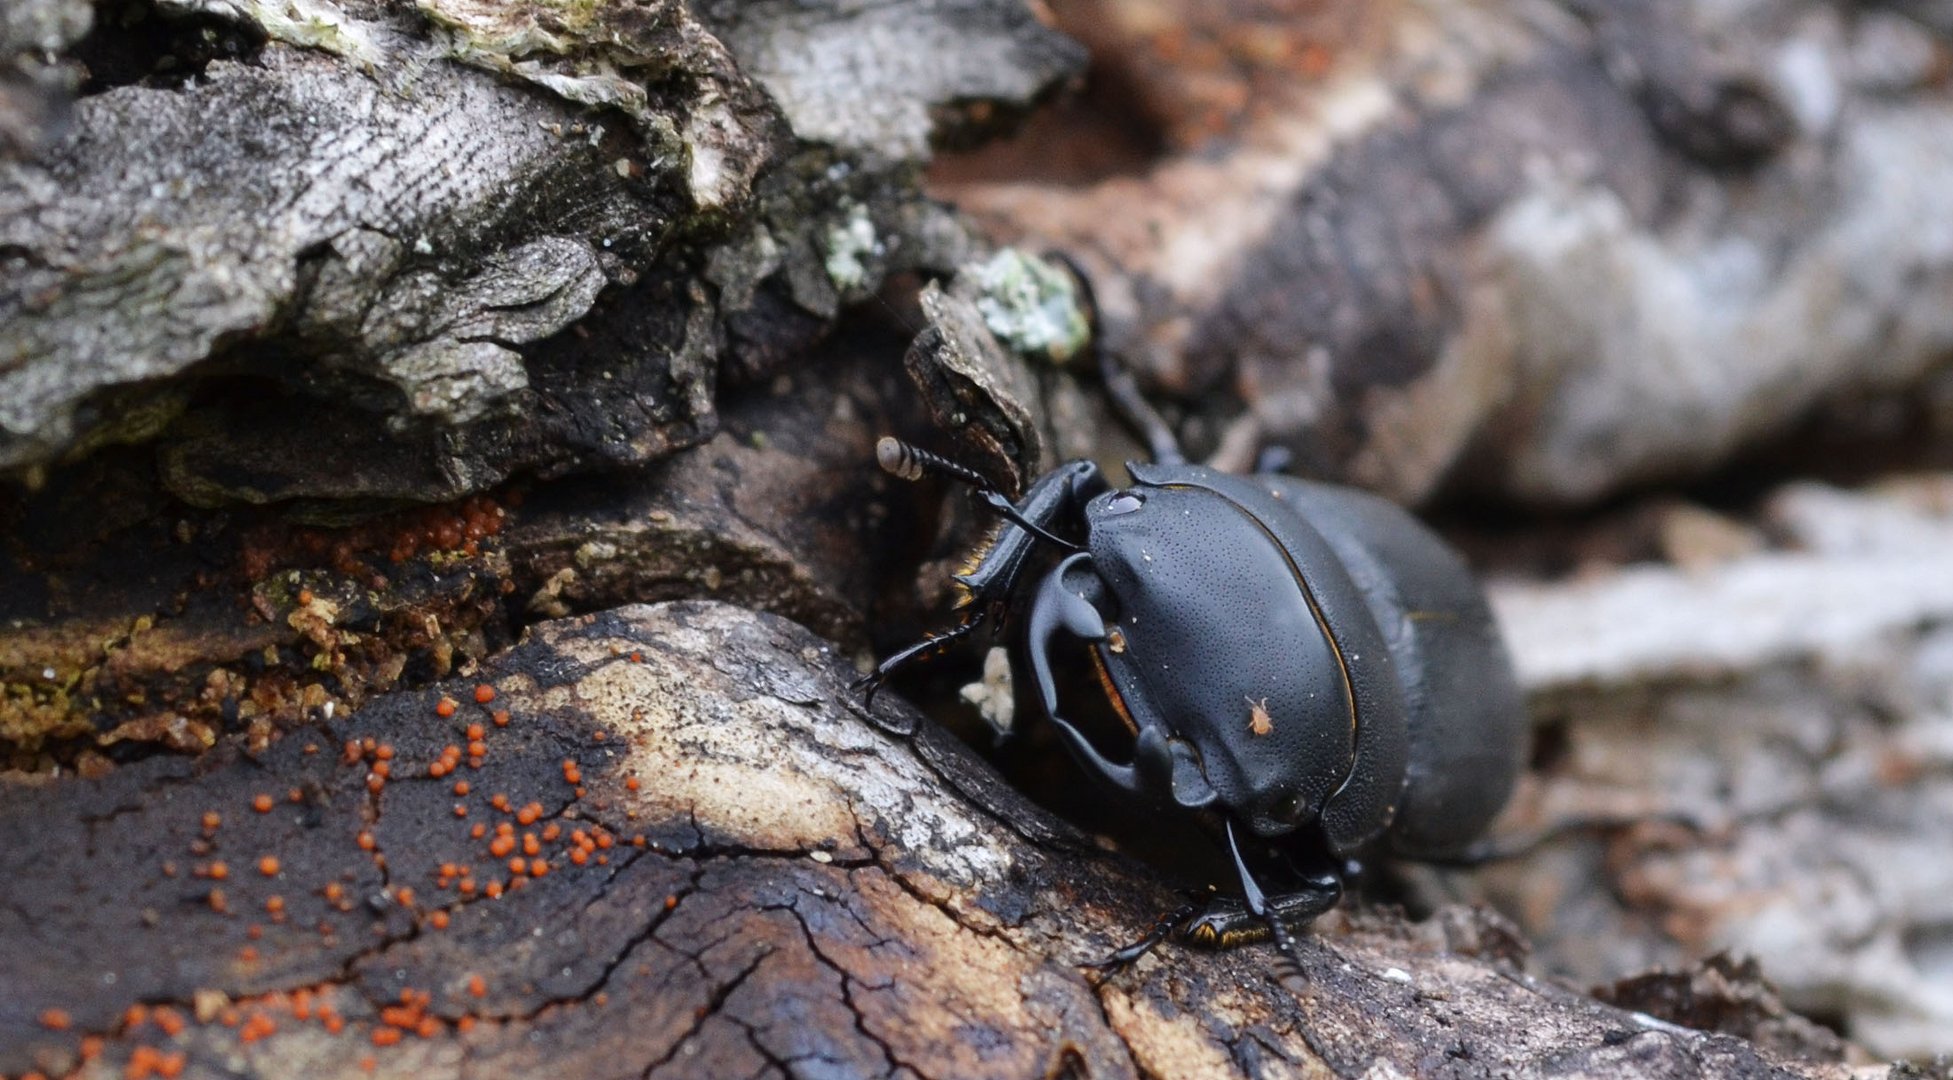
(868, 686)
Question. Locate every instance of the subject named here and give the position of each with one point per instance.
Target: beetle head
(1195, 617)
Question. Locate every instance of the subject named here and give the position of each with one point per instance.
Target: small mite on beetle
(1259, 721)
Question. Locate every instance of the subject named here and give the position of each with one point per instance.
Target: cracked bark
(786, 886)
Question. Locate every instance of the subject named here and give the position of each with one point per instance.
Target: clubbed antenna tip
(897, 458)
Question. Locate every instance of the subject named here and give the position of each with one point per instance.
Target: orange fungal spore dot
(169, 1020)
(444, 708)
(262, 804)
(484, 693)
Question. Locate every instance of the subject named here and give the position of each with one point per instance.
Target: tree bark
(776, 882)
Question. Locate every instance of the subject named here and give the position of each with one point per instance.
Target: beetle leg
(1273, 458)
(1226, 922)
(1163, 928)
(1288, 967)
(1123, 390)
(1494, 849)
(989, 583)
(871, 683)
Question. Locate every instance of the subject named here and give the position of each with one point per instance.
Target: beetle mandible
(1307, 665)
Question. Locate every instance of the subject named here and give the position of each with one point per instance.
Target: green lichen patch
(850, 243)
(1031, 305)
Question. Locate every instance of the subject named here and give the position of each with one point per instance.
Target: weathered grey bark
(392, 217)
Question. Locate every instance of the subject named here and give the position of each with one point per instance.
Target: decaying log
(1766, 721)
(1541, 250)
(746, 874)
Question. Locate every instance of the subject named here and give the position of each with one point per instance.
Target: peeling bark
(387, 220)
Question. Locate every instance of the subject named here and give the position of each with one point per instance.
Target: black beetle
(1306, 663)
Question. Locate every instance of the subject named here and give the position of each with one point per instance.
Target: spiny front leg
(932, 645)
(1166, 926)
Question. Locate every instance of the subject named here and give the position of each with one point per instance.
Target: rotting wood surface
(771, 882)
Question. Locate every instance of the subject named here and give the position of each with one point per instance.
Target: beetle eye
(1124, 503)
(1289, 809)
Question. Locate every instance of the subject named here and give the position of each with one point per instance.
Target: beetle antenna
(912, 463)
(1131, 405)
(900, 459)
(1135, 410)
